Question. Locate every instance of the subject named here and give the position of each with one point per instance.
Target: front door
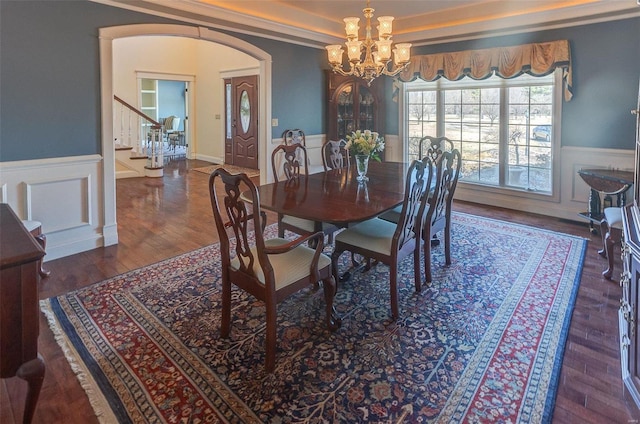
(241, 144)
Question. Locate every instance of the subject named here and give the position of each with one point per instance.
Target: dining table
(336, 196)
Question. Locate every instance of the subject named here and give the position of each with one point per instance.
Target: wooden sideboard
(19, 311)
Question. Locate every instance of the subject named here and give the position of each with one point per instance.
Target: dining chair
(611, 230)
(388, 242)
(286, 163)
(334, 154)
(432, 147)
(269, 269)
(439, 204)
(297, 136)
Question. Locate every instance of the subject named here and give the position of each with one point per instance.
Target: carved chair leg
(417, 275)
(271, 334)
(393, 271)
(330, 288)
(612, 238)
(427, 257)
(604, 230)
(42, 240)
(225, 325)
(33, 373)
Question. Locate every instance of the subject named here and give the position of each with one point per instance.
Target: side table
(606, 185)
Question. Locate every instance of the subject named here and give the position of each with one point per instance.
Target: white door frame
(106, 36)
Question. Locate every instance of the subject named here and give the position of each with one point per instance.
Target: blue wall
(171, 100)
(50, 82)
(606, 72)
(50, 79)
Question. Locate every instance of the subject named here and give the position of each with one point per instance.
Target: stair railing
(138, 131)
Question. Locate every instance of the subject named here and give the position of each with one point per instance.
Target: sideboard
(19, 311)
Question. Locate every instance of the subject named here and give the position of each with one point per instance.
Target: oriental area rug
(482, 343)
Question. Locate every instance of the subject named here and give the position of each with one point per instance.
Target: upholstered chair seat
(288, 267)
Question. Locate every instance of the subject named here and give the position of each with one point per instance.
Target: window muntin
(503, 128)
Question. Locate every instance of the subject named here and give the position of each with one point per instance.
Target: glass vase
(362, 165)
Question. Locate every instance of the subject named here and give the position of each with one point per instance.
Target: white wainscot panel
(63, 194)
(44, 200)
(574, 192)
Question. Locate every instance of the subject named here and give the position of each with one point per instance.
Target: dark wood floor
(162, 217)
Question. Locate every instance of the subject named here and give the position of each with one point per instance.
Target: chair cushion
(287, 267)
(374, 234)
(305, 224)
(613, 216)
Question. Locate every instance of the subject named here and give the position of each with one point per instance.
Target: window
(504, 128)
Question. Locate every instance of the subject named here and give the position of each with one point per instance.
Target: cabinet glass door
(366, 107)
(346, 119)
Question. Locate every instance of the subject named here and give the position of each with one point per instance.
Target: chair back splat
(287, 161)
(435, 146)
(271, 270)
(334, 155)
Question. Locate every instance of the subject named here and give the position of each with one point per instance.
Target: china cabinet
(629, 312)
(353, 105)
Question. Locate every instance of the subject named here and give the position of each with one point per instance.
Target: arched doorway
(107, 35)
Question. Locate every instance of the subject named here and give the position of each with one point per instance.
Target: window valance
(536, 59)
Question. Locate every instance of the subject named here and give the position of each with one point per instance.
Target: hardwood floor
(162, 217)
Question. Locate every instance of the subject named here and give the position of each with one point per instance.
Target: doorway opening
(166, 99)
(107, 38)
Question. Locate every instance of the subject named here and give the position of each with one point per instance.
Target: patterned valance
(536, 59)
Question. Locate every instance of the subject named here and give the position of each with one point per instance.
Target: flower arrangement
(368, 143)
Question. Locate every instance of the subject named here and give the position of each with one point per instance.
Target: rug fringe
(98, 402)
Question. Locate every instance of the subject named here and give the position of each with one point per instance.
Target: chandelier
(377, 54)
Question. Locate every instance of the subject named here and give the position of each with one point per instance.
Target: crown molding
(302, 27)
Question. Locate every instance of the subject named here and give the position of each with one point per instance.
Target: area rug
(483, 343)
(231, 168)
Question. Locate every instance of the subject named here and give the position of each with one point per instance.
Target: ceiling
(421, 22)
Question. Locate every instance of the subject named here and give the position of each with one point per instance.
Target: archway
(107, 35)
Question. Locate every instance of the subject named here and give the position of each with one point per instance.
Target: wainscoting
(67, 194)
(64, 194)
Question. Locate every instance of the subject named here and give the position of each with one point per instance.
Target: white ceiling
(317, 23)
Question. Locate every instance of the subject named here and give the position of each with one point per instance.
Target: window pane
(515, 136)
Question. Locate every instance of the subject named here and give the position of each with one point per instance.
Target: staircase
(138, 143)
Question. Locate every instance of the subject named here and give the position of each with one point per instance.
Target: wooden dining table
(335, 196)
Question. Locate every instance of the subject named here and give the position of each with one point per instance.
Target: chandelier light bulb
(384, 49)
(353, 50)
(384, 29)
(351, 27)
(402, 53)
(335, 54)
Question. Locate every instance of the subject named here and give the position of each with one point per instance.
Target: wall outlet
(217, 116)
(274, 122)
